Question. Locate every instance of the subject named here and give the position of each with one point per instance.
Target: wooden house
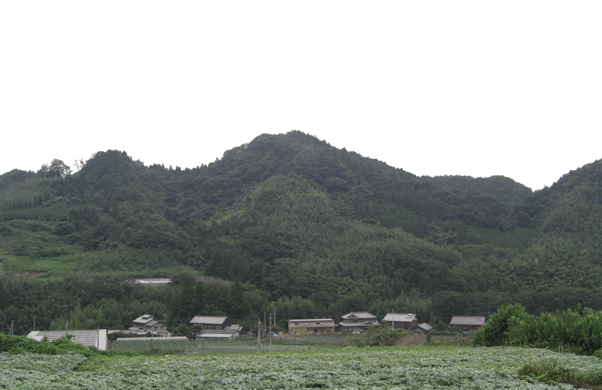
(467, 323)
(315, 326)
(401, 321)
(211, 322)
(147, 324)
(358, 321)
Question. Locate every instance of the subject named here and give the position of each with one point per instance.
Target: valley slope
(306, 228)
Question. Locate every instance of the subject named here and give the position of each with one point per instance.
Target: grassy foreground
(369, 368)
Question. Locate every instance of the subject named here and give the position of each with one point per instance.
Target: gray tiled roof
(359, 324)
(208, 320)
(399, 317)
(424, 326)
(143, 319)
(359, 315)
(466, 320)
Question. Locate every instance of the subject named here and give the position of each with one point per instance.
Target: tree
(184, 302)
(497, 330)
(57, 168)
(79, 164)
(181, 330)
(238, 307)
(3, 300)
(382, 336)
(201, 297)
(446, 304)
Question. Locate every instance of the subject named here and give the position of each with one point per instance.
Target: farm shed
(89, 338)
(228, 336)
(422, 328)
(229, 332)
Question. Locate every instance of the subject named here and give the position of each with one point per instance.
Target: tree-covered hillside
(308, 229)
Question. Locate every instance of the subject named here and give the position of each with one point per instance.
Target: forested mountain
(308, 229)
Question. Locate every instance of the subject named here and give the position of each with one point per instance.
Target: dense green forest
(302, 227)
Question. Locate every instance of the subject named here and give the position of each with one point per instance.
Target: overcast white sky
(475, 88)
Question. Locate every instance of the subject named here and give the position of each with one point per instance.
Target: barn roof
(467, 320)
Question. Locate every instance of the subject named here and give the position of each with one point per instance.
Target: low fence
(184, 346)
(153, 344)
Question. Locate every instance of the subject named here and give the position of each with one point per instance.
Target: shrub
(550, 372)
(21, 344)
(381, 336)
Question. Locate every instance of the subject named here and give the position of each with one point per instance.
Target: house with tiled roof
(467, 323)
(309, 326)
(215, 327)
(210, 322)
(358, 321)
(147, 324)
(401, 321)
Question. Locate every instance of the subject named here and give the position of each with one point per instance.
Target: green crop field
(351, 368)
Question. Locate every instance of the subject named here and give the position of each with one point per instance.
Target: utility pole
(66, 327)
(259, 335)
(270, 333)
(34, 323)
(393, 321)
(265, 324)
